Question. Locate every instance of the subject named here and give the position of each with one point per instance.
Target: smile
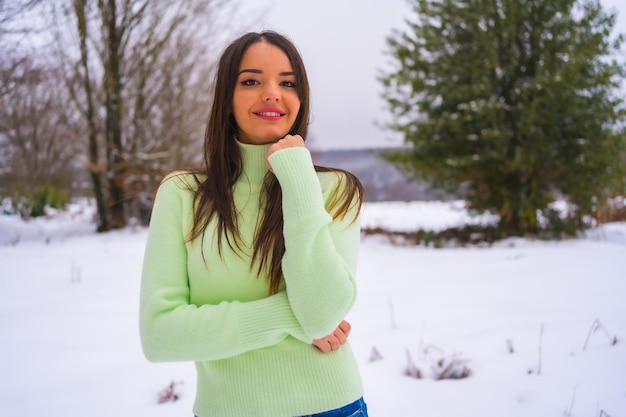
(270, 114)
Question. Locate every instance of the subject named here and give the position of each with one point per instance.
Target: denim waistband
(346, 410)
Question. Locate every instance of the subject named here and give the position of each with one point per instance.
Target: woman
(250, 263)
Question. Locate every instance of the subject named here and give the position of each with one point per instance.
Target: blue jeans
(356, 409)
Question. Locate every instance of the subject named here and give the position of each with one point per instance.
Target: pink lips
(270, 113)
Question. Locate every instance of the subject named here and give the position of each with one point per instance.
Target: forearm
(319, 264)
(182, 332)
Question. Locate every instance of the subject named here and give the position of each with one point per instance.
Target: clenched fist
(289, 141)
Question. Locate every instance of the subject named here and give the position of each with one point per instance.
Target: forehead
(262, 54)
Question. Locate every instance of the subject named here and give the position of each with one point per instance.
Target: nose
(271, 93)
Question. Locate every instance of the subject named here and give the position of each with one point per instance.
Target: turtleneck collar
(253, 157)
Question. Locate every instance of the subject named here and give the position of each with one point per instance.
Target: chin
(273, 137)
(266, 137)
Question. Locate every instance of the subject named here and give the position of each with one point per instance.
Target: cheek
(294, 105)
(240, 102)
(238, 113)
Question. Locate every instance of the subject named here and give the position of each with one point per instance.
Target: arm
(171, 328)
(320, 259)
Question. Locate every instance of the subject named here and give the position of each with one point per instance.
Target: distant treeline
(381, 179)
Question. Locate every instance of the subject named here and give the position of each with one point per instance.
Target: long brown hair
(223, 164)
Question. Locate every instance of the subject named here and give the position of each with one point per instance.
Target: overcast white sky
(342, 44)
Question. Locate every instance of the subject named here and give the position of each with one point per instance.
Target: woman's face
(265, 100)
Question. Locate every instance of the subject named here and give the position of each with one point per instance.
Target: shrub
(33, 203)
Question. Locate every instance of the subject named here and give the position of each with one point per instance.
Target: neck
(253, 157)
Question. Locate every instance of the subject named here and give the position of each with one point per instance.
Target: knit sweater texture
(253, 350)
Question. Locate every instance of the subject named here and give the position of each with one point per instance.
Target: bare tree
(81, 79)
(138, 70)
(169, 97)
(12, 13)
(36, 146)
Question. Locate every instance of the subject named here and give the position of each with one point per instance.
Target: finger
(334, 342)
(345, 327)
(340, 336)
(291, 141)
(322, 345)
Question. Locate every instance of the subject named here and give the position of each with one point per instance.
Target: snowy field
(537, 328)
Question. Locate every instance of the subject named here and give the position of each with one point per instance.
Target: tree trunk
(116, 161)
(94, 164)
(518, 212)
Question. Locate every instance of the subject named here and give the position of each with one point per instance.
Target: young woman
(249, 268)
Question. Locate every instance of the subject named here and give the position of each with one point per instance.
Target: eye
(288, 84)
(249, 82)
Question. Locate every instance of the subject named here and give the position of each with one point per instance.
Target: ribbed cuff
(277, 321)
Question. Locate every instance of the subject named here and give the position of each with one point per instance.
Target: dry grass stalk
(411, 369)
(169, 393)
(595, 326)
(452, 367)
(375, 355)
(509, 346)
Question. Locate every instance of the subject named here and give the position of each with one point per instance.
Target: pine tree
(517, 102)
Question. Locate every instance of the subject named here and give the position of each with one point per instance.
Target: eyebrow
(258, 71)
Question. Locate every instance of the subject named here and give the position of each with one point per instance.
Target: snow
(532, 321)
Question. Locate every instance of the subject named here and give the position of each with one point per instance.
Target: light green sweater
(253, 351)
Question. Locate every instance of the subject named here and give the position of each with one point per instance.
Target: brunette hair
(223, 164)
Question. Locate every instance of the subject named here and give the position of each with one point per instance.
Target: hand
(289, 141)
(334, 340)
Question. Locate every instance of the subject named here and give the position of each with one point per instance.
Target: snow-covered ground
(533, 323)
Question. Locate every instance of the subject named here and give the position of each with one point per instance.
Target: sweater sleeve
(173, 329)
(320, 258)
